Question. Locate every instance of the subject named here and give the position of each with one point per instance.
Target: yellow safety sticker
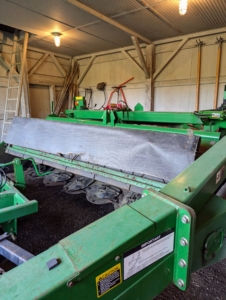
(108, 280)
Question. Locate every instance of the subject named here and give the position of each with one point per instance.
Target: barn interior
(112, 162)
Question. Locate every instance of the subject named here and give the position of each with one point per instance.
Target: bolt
(187, 189)
(180, 282)
(182, 263)
(183, 242)
(185, 219)
(117, 258)
(70, 284)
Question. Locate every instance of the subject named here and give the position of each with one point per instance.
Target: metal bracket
(220, 40)
(184, 239)
(4, 236)
(199, 43)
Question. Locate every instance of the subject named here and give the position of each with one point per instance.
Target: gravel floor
(61, 214)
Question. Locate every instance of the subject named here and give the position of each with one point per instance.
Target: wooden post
(219, 41)
(23, 64)
(149, 83)
(199, 44)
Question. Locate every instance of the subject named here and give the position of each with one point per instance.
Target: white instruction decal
(147, 253)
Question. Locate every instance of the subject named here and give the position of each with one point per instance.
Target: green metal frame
(19, 170)
(205, 126)
(14, 205)
(186, 206)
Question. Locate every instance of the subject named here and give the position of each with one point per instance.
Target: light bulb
(56, 38)
(183, 4)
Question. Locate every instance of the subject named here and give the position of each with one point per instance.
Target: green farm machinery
(163, 173)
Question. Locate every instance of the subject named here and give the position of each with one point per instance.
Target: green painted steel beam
(87, 257)
(210, 220)
(197, 183)
(208, 138)
(14, 205)
(159, 117)
(66, 163)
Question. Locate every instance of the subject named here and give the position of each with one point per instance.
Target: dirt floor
(61, 214)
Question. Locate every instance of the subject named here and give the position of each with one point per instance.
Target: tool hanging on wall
(199, 44)
(118, 89)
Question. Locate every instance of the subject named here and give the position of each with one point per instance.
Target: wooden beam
(108, 20)
(46, 80)
(26, 92)
(23, 68)
(149, 83)
(38, 64)
(191, 36)
(172, 55)
(112, 51)
(56, 62)
(6, 64)
(140, 55)
(188, 82)
(87, 69)
(198, 76)
(49, 52)
(217, 72)
(126, 54)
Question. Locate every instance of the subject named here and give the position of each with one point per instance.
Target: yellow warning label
(106, 281)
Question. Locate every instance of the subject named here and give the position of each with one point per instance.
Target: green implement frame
(13, 205)
(209, 125)
(138, 250)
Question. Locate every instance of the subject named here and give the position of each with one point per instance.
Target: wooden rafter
(171, 56)
(108, 20)
(126, 54)
(140, 55)
(56, 62)
(87, 69)
(38, 64)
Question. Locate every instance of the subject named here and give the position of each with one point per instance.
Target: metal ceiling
(84, 33)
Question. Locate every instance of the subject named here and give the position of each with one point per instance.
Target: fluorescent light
(183, 5)
(57, 38)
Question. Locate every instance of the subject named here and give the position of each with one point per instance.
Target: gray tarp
(156, 154)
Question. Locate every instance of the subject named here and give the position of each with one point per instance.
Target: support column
(219, 41)
(149, 82)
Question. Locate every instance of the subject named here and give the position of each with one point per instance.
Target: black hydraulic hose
(3, 178)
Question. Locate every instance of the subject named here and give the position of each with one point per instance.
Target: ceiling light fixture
(183, 5)
(57, 38)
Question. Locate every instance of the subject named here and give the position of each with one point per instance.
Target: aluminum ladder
(15, 104)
